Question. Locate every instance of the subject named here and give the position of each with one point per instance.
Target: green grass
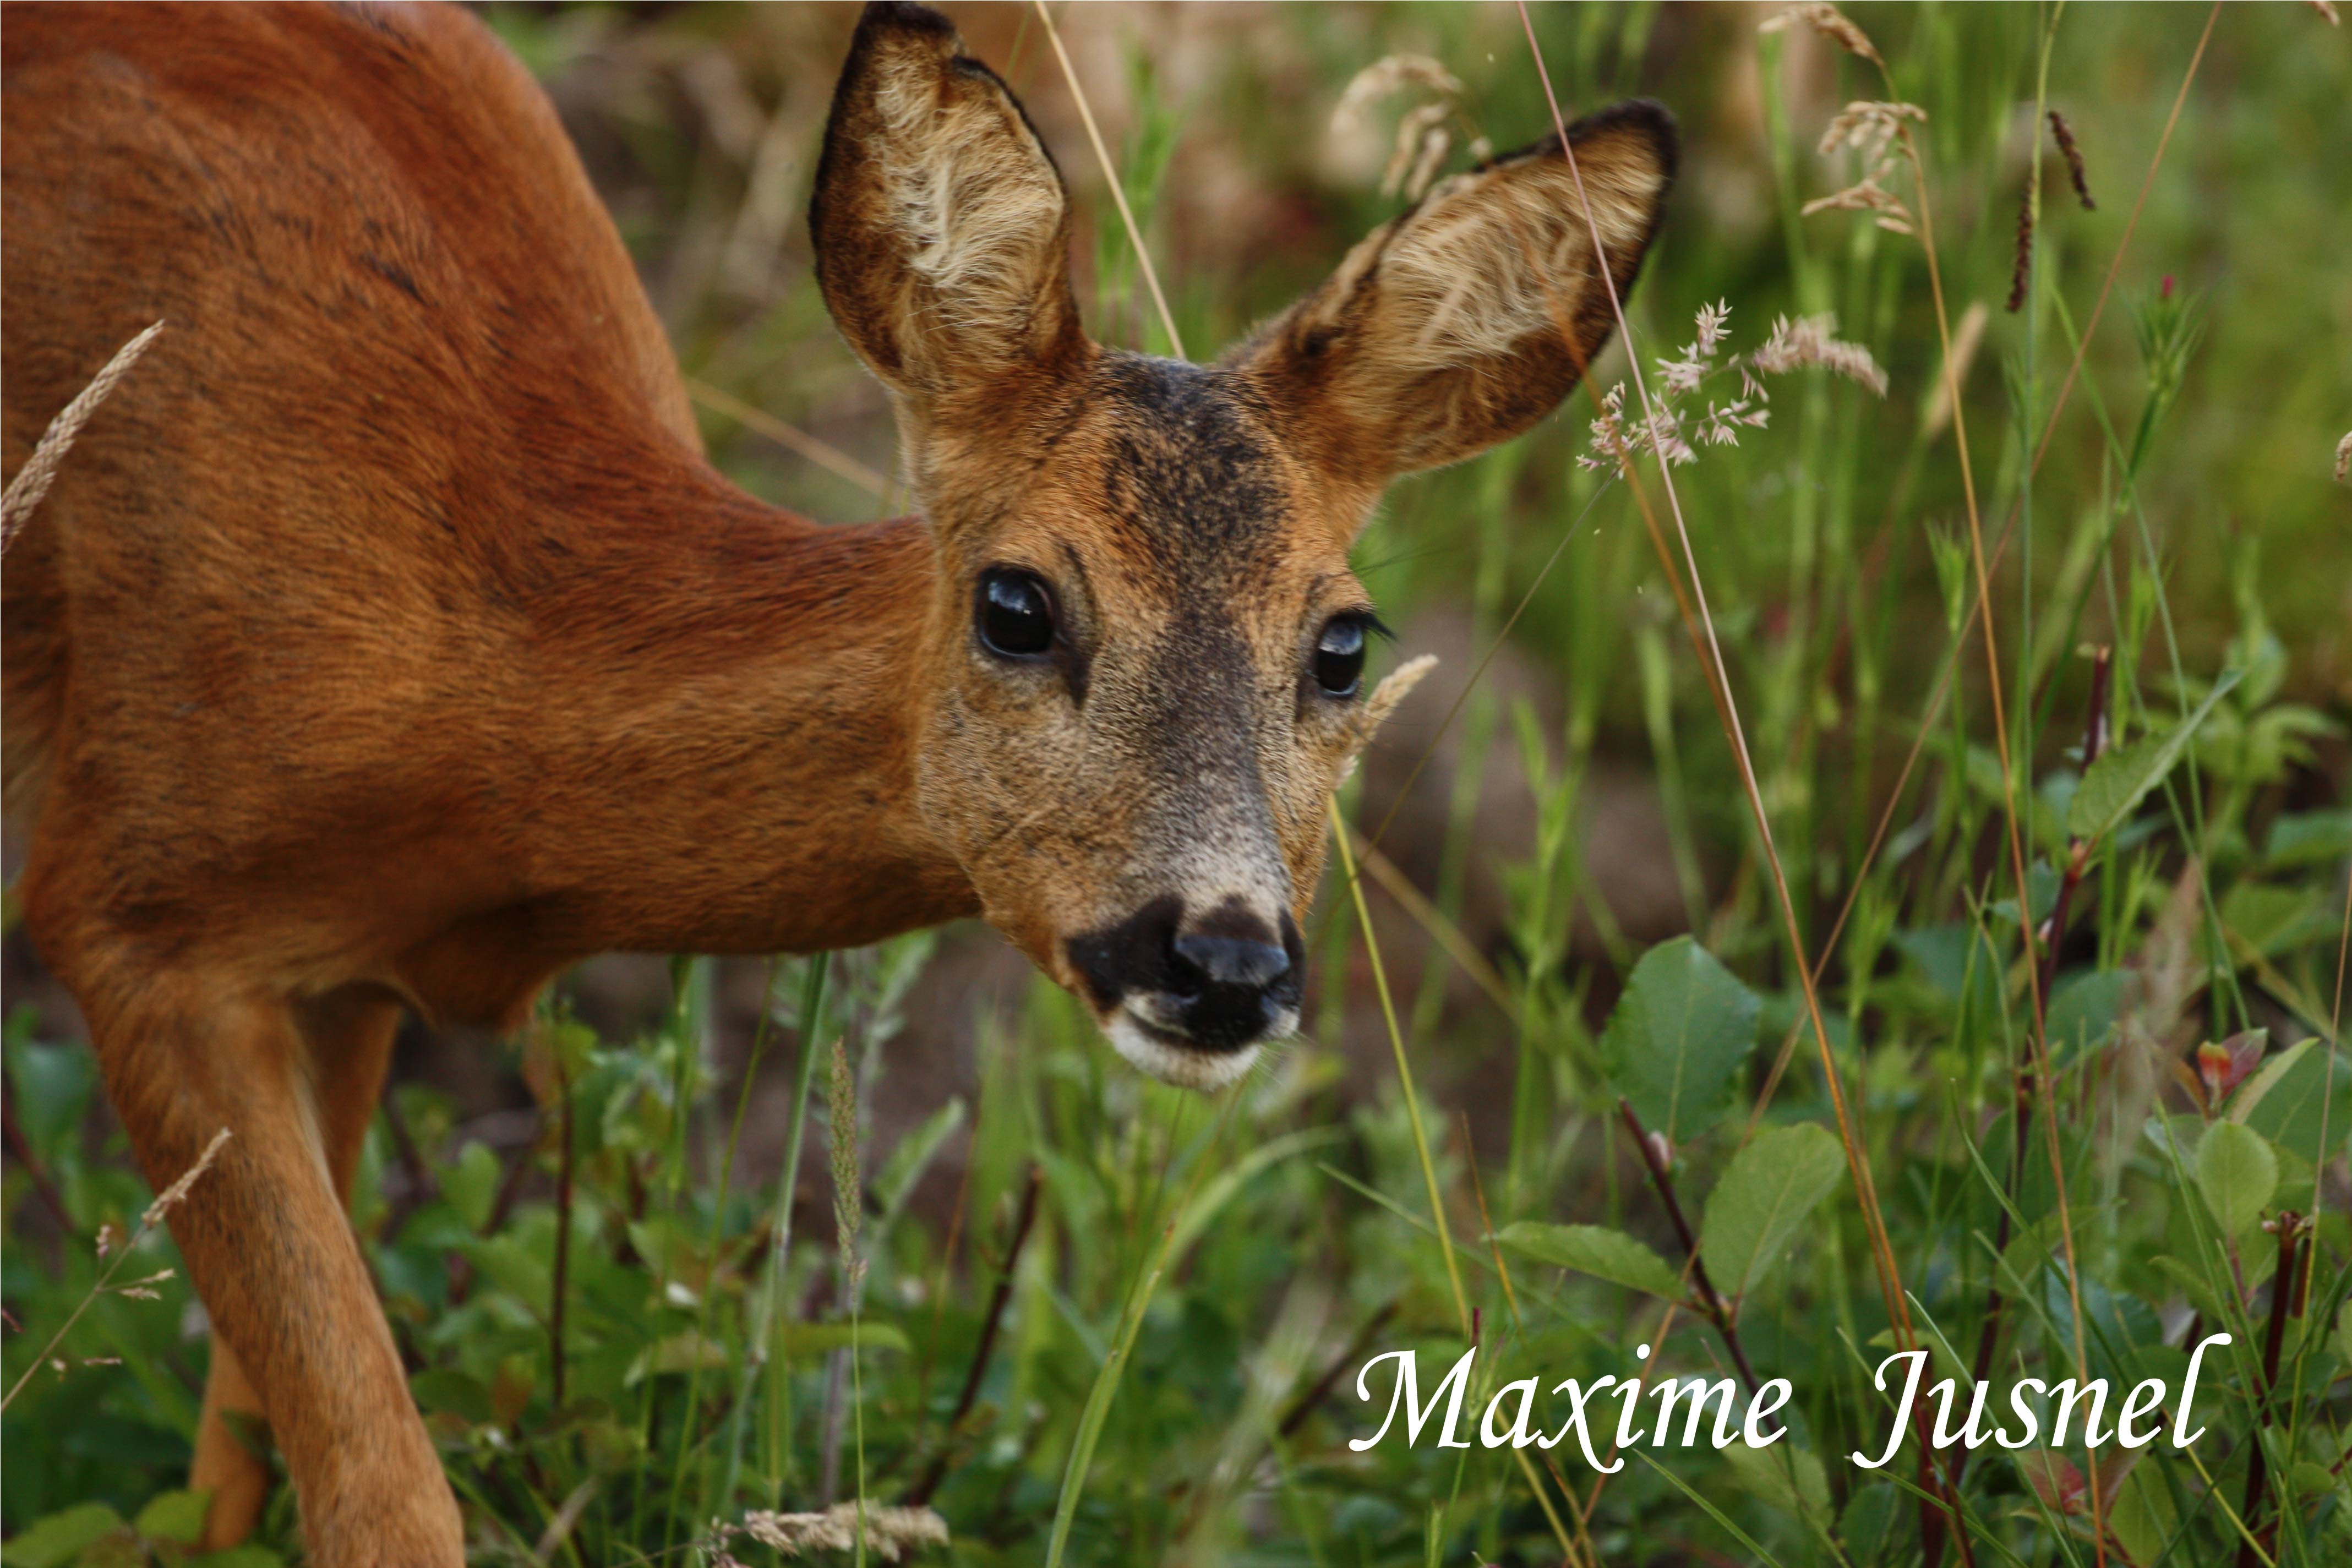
(1159, 1282)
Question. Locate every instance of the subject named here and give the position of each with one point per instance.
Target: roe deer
(387, 644)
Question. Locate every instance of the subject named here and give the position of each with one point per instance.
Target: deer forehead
(1174, 498)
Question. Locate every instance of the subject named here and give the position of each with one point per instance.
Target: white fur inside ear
(1492, 259)
(973, 197)
(1384, 702)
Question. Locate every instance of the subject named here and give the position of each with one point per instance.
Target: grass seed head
(2074, 156)
(890, 1533)
(1812, 341)
(1830, 23)
(172, 1196)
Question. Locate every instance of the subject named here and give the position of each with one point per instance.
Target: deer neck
(736, 749)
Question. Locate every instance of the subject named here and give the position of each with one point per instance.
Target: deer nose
(1233, 960)
(1217, 981)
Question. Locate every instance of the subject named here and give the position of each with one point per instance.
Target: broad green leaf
(177, 1516)
(1762, 1199)
(1870, 1522)
(2141, 1513)
(58, 1540)
(472, 1185)
(2309, 838)
(2114, 785)
(2266, 1078)
(1594, 1249)
(1786, 1476)
(1677, 1038)
(2083, 1008)
(448, 1388)
(2237, 1172)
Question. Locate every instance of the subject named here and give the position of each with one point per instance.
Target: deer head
(1144, 651)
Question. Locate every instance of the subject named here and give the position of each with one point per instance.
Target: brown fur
(387, 642)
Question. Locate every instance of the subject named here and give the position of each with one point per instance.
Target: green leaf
(176, 1516)
(2083, 1008)
(2309, 838)
(1786, 1476)
(472, 1185)
(895, 1182)
(1871, 1522)
(816, 1339)
(2114, 785)
(2142, 1515)
(446, 1388)
(2266, 1078)
(2237, 1172)
(58, 1540)
(245, 1556)
(2192, 1285)
(685, 1352)
(1594, 1249)
(1762, 1199)
(1677, 1038)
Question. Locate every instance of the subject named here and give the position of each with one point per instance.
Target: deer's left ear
(1466, 320)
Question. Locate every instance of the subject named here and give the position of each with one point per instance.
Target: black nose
(1221, 980)
(1232, 960)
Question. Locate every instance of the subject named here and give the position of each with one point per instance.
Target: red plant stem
(997, 1302)
(1710, 1302)
(45, 1187)
(2284, 1302)
(1337, 1369)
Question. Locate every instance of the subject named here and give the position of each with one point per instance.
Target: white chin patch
(1187, 1067)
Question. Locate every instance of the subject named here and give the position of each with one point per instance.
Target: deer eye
(1014, 613)
(1340, 656)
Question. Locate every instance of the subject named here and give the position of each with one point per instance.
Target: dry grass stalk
(172, 1196)
(1422, 143)
(32, 480)
(2327, 9)
(1870, 128)
(1830, 23)
(890, 1533)
(1966, 339)
(2344, 458)
(141, 1288)
(1422, 139)
(1389, 74)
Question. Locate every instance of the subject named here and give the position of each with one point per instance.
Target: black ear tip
(903, 16)
(1647, 117)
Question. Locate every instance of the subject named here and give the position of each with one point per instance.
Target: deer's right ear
(941, 225)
